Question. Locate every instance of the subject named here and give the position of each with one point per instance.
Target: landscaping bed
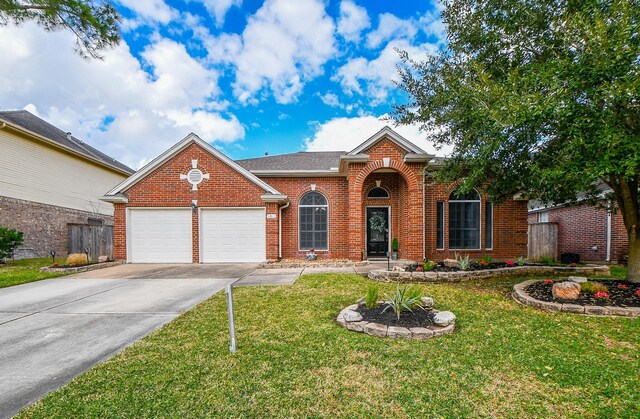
(620, 294)
(457, 275)
(319, 263)
(417, 318)
(81, 268)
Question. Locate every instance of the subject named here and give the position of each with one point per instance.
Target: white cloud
(345, 134)
(391, 27)
(219, 8)
(331, 99)
(284, 45)
(353, 19)
(376, 77)
(148, 12)
(148, 112)
(432, 25)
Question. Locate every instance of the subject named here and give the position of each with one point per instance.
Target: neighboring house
(194, 204)
(48, 178)
(593, 233)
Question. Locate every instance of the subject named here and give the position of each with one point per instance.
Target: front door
(377, 232)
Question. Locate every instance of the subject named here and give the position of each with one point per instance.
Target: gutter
(280, 228)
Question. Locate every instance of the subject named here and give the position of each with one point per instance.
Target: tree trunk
(633, 264)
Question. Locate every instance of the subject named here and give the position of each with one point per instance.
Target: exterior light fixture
(194, 205)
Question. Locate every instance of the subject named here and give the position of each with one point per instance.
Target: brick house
(194, 204)
(593, 233)
(49, 179)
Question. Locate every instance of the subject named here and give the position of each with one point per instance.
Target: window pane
(440, 225)
(464, 225)
(313, 222)
(488, 225)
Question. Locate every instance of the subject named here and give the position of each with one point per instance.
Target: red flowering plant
(483, 262)
(420, 268)
(601, 295)
(548, 281)
(510, 263)
(637, 293)
(623, 286)
(573, 264)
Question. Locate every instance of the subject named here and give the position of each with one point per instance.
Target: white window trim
(300, 249)
(479, 201)
(366, 227)
(492, 225)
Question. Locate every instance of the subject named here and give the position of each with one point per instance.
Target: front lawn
(503, 360)
(15, 272)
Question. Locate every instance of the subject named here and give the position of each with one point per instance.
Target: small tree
(9, 240)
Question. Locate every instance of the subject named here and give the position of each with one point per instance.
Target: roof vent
(69, 136)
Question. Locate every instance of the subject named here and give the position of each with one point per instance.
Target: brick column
(119, 232)
(272, 230)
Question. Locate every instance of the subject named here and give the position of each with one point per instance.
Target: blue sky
(248, 76)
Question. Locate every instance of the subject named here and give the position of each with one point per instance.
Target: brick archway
(411, 214)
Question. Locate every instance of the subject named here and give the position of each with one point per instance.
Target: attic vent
(195, 176)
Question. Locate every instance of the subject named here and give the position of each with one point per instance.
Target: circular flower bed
(422, 323)
(600, 297)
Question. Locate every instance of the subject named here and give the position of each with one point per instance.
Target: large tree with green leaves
(95, 24)
(538, 97)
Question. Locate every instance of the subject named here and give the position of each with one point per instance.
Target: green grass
(504, 360)
(15, 272)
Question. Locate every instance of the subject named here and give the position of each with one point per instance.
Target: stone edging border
(381, 275)
(520, 295)
(319, 264)
(86, 268)
(382, 330)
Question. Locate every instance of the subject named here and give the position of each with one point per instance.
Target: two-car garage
(165, 235)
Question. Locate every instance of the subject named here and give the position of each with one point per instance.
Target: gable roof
(115, 195)
(34, 126)
(304, 160)
(386, 131)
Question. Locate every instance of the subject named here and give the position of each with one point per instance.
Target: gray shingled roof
(41, 127)
(304, 160)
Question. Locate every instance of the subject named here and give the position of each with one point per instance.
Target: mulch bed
(618, 296)
(419, 318)
(474, 266)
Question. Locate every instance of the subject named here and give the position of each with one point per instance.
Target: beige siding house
(49, 179)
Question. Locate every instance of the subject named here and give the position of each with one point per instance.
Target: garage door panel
(233, 235)
(160, 235)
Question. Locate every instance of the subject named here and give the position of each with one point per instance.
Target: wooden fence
(543, 241)
(97, 238)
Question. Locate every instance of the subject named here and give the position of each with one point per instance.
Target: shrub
(9, 240)
(547, 260)
(429, 265)
(394, 244)
(637, 293)
(371, 299)
(487, 259)
(591, 287)
(521, 260)
(405, 299)
(464, 262)
(601, 295)
(75, 259)
(549, 281)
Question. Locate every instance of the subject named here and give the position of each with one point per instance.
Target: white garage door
(232, 235)
(160, 235)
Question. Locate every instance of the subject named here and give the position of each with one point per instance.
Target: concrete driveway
(52, 330)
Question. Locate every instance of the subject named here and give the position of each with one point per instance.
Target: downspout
(608, 236)
(424, 215)
(280, 228)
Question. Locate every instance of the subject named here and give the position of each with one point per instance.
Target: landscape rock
(421, 333)
(427, 302)
(397, 269)
(578, 279)
(356, 326)
(376, 329)
(398, 332)
(444, 318)
(566, 290)
(352, 316)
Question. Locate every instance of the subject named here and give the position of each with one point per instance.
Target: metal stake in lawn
(232, 327)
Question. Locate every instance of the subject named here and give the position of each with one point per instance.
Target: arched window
(378, 192)
(464, 220)
(312, 210)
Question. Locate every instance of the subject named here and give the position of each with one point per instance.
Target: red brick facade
(581, 228)
(412, 219)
